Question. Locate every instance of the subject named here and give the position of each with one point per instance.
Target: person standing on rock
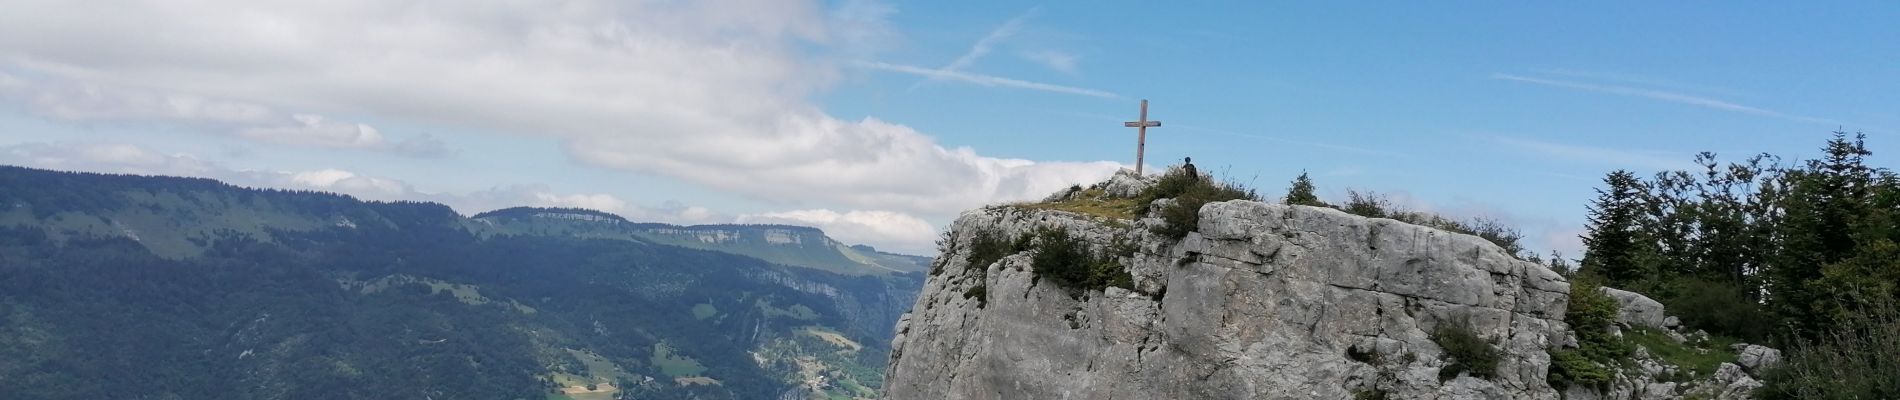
(1187, 165)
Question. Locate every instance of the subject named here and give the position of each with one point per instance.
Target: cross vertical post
(1141, 134)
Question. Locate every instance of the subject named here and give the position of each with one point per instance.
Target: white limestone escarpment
(1260, 301)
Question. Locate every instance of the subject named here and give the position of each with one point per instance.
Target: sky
(880, 121)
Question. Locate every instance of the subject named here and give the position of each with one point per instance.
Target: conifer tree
(1614, 243)
(1301, 192)
(1823, 222)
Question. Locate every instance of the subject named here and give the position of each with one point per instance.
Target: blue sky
(880, 120)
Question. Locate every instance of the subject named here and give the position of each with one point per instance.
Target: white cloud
(1622, 158)
(1664, 96)
(123, 158)
(341, 181)
(983, 46)
(893, 231)
(1055, 60)
(713, 93)
(886, 229)
(319, 131)
(90, 101)
(597, 201)
(986, 80)
(102, 157)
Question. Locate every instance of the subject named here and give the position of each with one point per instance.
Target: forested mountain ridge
(798, 246)
(118, 286)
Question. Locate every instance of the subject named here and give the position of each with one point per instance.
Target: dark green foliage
(989, 246)
(1831, 217)
(1189, 192)
(1362, 355)
(1853, 360)
(1371, 205)
(1571, 367)
(1589, 315)
(1072, 263)
(1466, 353)
(980, 293)
(1716, 305)
(1369, 394)
(1301, 193)
(1494, 231)
(1804, 246)
(1179, 218)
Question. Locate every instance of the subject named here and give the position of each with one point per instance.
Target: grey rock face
(1638, 310)
(1126, 183)
(1262, 301)
(1756, 358)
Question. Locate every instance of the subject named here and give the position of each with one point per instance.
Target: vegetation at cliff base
(1854, 361)
(1589, 314)
(1800, 254)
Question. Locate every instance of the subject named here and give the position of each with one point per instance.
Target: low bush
(1857, 360)
(980, 292)
(989, 246)
(1189, 192)
(1465, 352)
(1374, 205)
(1571, 367)
(1070, 262)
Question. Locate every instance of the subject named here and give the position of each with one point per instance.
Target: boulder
(1636, 310)
(1756, 359)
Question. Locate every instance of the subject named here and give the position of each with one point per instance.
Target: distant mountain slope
(151, 287)
(789, 245)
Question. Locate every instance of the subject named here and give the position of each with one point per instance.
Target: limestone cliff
(1259, 301)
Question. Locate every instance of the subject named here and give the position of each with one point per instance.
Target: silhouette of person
(1188, 167)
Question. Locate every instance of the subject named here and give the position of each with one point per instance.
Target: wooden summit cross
(1141, 135)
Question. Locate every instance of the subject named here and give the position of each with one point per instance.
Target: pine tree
(1823, 223)
(1614, 243)
(1301, 192)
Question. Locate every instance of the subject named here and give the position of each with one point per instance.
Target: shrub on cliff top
(1376, 205)
(1190, 192)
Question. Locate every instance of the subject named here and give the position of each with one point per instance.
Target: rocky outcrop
(1260, 301)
